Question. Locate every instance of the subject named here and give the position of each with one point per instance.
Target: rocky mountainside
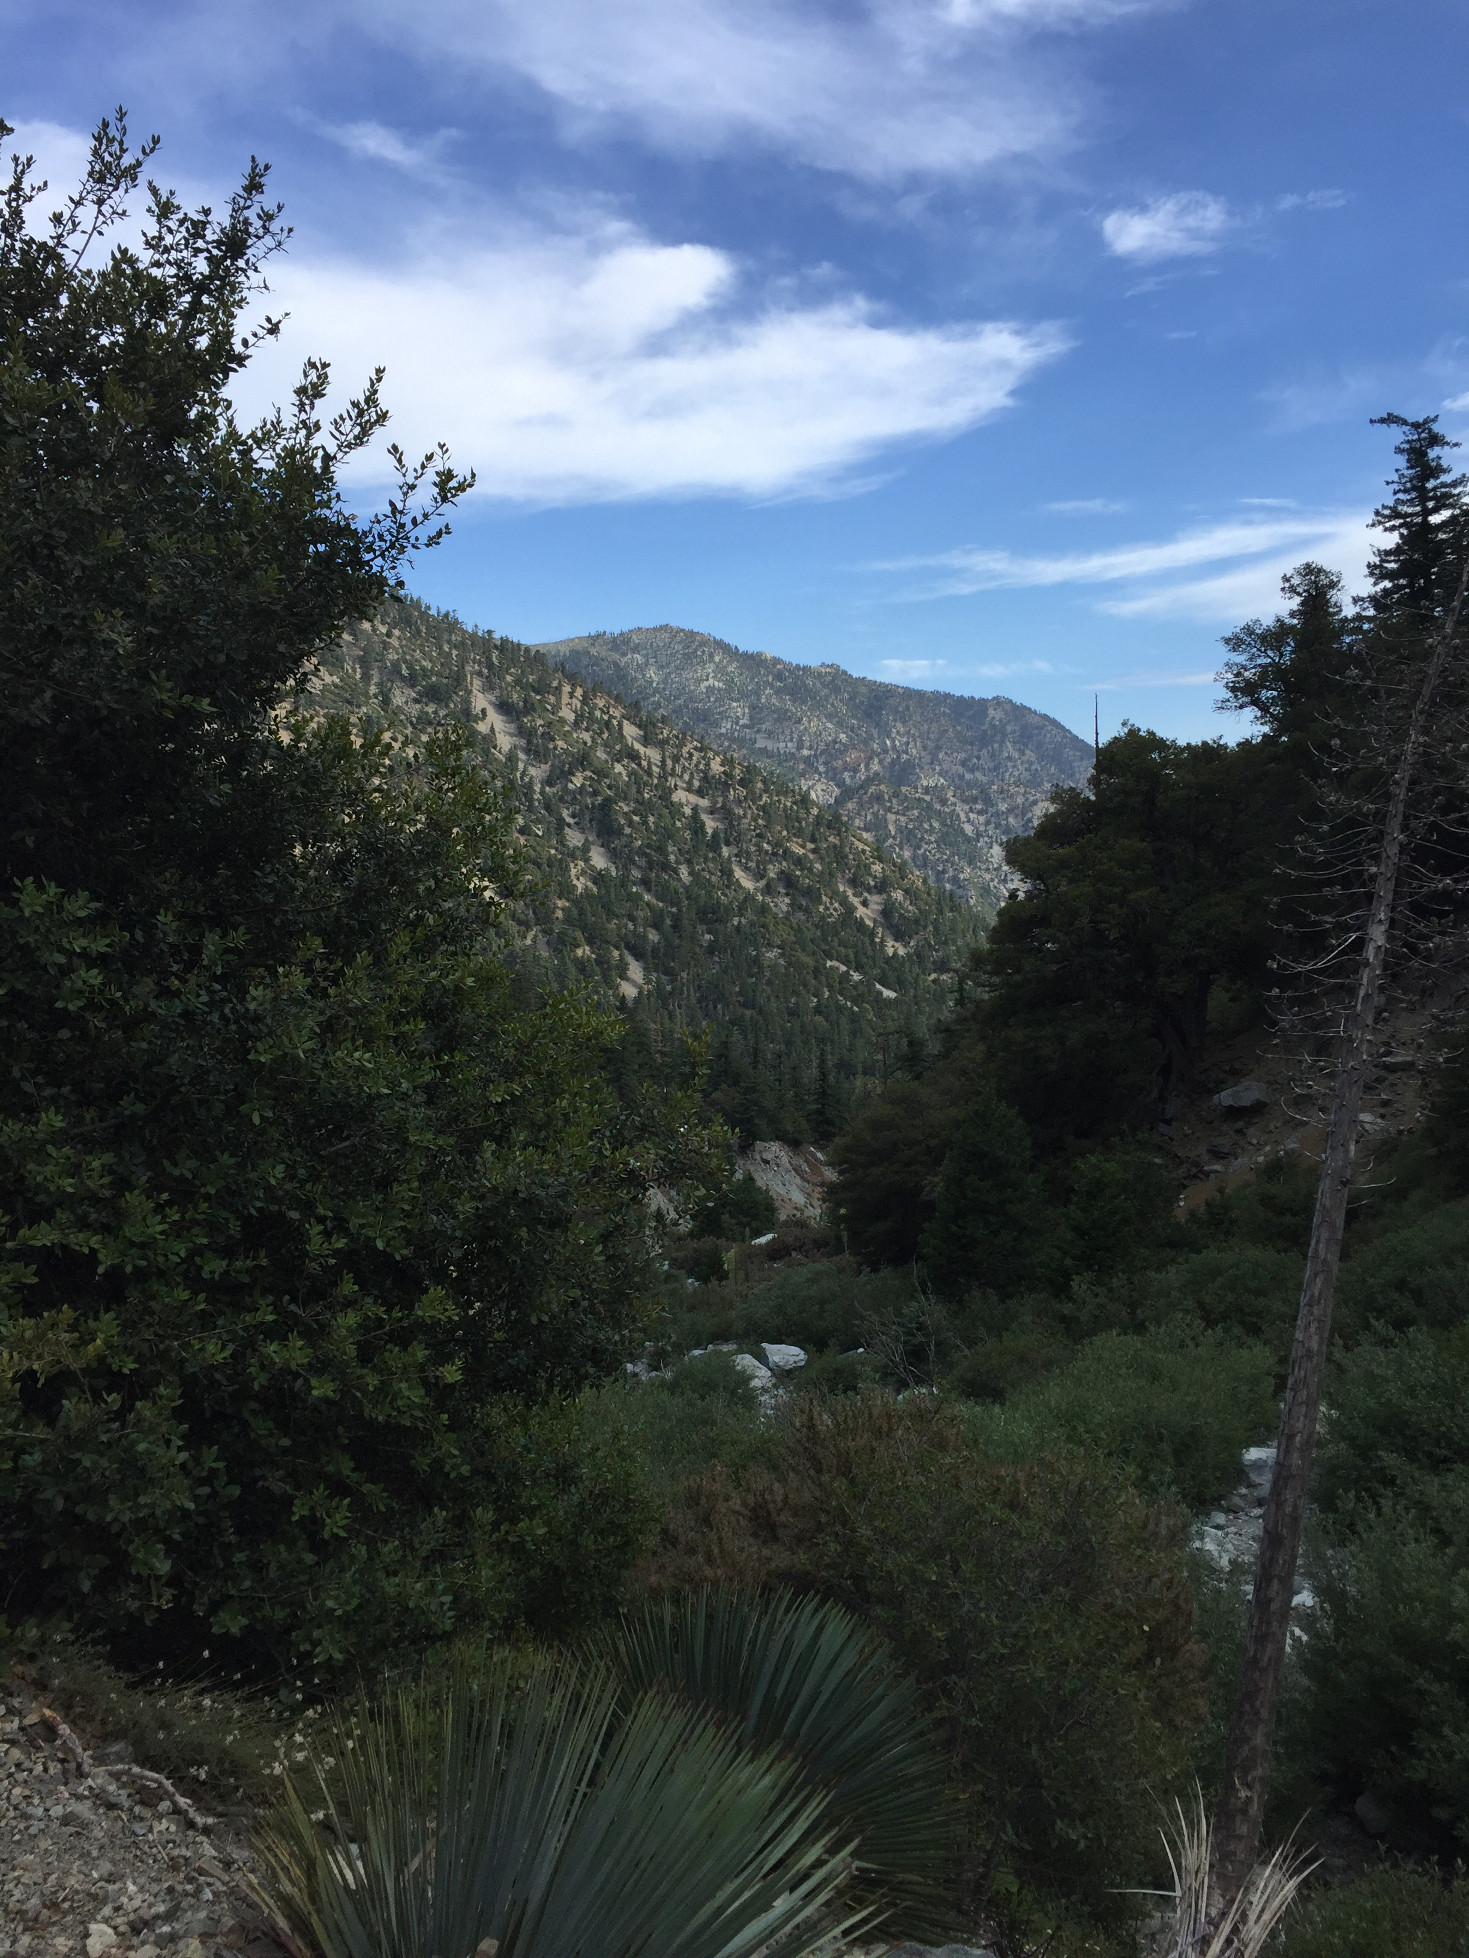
(942, 779)
(697, 890)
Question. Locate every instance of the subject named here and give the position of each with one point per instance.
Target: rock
(112, 1754)
(795, 1180)
(769, 1238)
(783, 1359)
(1245, 1094)
(100, 1938)
(1371, 1813)
(759, 1377)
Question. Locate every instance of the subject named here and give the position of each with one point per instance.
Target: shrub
(703, 1414)
(1248, 1290)
(1392, 1913)
(1399, 1409)
(1043, 1607)
(1416, 1276)
(1173, 1408)
(1387, 1662)
(816, 1306)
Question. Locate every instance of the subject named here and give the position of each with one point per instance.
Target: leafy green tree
(1135, 901)
(990, 1219)
(313, 1217)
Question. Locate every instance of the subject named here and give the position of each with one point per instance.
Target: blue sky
(1009, 346)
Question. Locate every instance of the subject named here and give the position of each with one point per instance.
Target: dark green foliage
(1134, 901)
(1399, 1414)
(1172, 1408)
(1118, 1210)
(808, 1680)
(1286, 672)
(314, 1213)
(889, 1157)
(1416, 1276)
(819, 1306)
(1043, 1608)
(702, 1415)
(279, 1239)
(1249, 1290)
(164, 574)
(989, 1223)
(1387, 1663)
(1390, 1913)
(525, 1804)
(738, 1209)
(1388, 1666)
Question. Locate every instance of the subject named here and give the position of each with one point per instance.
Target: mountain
(942, 779)
(695, 890)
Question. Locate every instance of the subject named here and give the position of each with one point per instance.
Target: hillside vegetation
(692, 890)
(941, 779)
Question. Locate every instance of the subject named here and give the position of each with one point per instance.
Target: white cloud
(1208, 679)
(1311, 200)
(1256, 553)
(597, 364)
(912, 669)
(1086, 506)
(878, 90)
(375, 142)
(1188, 224)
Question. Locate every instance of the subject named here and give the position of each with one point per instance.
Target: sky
(1002, 346)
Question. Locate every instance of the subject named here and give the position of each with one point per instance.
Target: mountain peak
(943, 779)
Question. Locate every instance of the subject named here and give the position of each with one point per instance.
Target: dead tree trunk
(1257, 1698)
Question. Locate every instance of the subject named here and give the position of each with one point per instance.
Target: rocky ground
(100, 1859)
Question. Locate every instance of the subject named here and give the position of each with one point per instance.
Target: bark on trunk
(1252, 1729)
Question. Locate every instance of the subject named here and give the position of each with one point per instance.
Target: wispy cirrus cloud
(1186, 224)
(1252, 554)
(878, 90)
(597, 364)
(1086, 506)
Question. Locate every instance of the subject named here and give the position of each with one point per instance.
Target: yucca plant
(1249, 1919)
(534, 1806)
(805, 1680)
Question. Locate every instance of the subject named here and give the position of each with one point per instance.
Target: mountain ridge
(694, 890)
(939, 778)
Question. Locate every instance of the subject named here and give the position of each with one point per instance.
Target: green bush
(1416, 1276)
(703, 1414)
(1387, 1661)
(824, 1307)
(1043, 1607)
(1248, 1290)
(994, 1369)
(1399, 1410)
(1173, 1408)
(1392, 1913)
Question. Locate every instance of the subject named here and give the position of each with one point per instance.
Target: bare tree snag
(1252, 1729)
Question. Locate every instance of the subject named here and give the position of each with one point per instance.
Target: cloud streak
(598, 365)
(1187, 224)
(1253, 553)
(884, 90)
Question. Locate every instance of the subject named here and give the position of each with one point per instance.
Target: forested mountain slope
(702, 891)
(941, 779)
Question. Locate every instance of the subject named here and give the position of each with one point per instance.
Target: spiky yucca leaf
(806, 1679)
(538, 1809)
(1247, 1921)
